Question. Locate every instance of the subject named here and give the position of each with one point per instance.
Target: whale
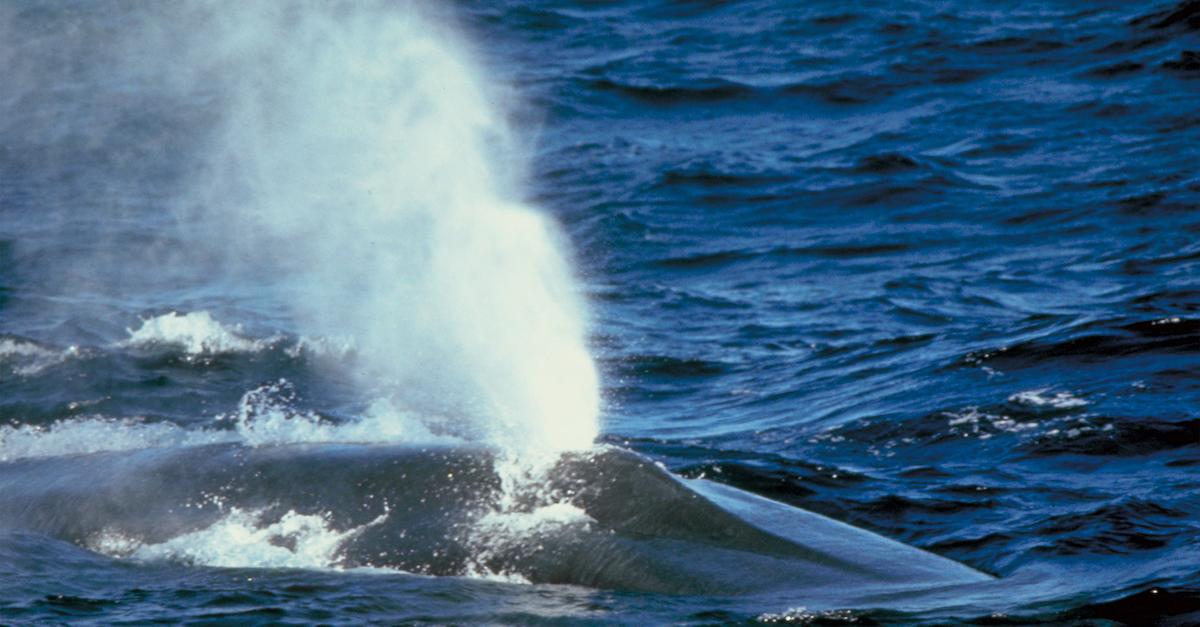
(444, 511)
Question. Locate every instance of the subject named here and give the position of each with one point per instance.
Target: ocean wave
(670, 367)
(95, 434)
(896, 506)
(1116, 69)
(1043, 398)
(1099, 341)
(723, 258)
(715, 178)
(336, 347)
(841, 88)
(1026, 419)
(1185, 16)
(1030, 424)
(16, 348)
(265, 416)
(1188, 61)
(851, 88)
(709, 91)
(196, 333)
(805, 616)
(27, 358)
(1017, 44)
(196, 337)
(1118, 527)
(974, 422)
(1116, 437)
(1163, 606)
(886, 163)
(1167, 301)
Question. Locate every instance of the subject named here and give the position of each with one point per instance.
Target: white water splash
(349, 161)
(15, 348)
(27, 358)
(805, 616)
(264, 417)
(361, 163)
(335, 348)
(195, 333)
(360, 170)
(1043, 398)
(972, 422)
(244, 538)
(97, 434)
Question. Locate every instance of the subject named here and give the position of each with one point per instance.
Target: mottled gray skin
(649, 531)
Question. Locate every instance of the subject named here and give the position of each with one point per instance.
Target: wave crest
(98, 434)
(197, 333)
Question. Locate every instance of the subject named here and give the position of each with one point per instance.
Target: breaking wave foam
(197, 333)
(265, 416)
(1043, 398)
(98, 434)
(246, 539)
(28, 358)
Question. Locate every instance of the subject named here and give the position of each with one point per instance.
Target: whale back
(628, 524)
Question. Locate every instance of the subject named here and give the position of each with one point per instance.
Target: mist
(351, 162)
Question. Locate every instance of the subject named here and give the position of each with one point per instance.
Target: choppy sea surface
(931, 269)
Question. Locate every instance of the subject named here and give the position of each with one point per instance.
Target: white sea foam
(804, 616)
(196, 333)
(97, 434)
(266, 416)
(244, 538)
(334, 347)
(973, 422)
(15, 348)
(27, 358)
(1042, 398)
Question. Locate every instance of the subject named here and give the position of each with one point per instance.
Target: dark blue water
(928, 268)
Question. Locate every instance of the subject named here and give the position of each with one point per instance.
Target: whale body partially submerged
(434, 510)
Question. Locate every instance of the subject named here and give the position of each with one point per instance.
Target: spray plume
(359, 154)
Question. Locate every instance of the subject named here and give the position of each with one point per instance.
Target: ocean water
(301, 303)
